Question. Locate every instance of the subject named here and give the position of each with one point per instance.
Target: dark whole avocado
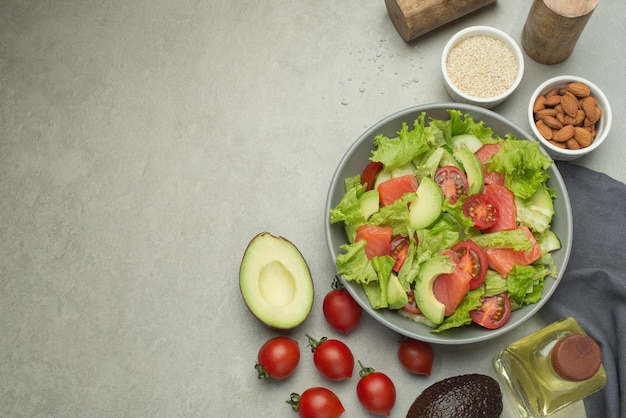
(467, 396)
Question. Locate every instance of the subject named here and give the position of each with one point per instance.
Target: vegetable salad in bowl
(448, 224)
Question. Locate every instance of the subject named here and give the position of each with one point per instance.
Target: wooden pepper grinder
(553, 27)
(413, 18)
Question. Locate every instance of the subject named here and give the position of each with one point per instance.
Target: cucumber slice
(469, 141)
(537, 211)
(549, 242)
(426, 208)
(447, 159)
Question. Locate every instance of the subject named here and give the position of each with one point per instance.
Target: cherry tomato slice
(370, 172)
(278, 358)
(481, 210)
(416, 356)
(473, 260)
(399, 249)
(452, 182)
(494, 312)
(316, 402)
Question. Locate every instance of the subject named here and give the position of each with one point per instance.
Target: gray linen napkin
(593, 288)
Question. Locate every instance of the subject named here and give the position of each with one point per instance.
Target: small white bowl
(603, 126)
(463, 97)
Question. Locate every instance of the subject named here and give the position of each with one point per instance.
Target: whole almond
(579, 89)
(564, 134)
(582, 136)
(560, 116)
(546, 112)
(595, 117)
(569, 103)
(552, 101)
(572, 144)
(544, 130)
(588, 105)
(538, 105)
(552, 92)
(558, 144)
(552, 122)
(576, 121)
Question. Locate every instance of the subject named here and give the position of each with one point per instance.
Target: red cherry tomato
(481, 210)
(376, 391)
(341, 311)
(370, 172)
(332, 358)
(316, 402)
(416, 356)
(452, 182)
(278, 358)
(473, 260)
(399, 250)
(494, 312)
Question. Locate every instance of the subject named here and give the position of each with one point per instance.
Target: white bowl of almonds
(481, 65)
(570, 116)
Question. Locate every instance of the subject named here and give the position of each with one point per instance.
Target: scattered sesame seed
(481, 66)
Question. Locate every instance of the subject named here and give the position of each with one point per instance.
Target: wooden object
(413, 18)
(553, 27)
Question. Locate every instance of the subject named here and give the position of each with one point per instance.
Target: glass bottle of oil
(552, 368)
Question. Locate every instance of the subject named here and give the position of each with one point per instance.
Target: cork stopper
(576, 357)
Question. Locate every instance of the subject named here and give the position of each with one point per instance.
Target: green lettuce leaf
(396, 152)
(515, 239)
(354, 265)
(523, 165)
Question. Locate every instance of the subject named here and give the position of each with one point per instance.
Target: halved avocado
(275, 282)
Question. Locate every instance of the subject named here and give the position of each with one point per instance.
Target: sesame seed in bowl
(481, 65)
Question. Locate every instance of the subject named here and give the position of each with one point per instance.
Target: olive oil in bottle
(552, 368)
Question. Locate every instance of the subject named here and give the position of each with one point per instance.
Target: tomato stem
(294, 401)
(337, 285)
(365, 371)
(313, 343)
(263, 374)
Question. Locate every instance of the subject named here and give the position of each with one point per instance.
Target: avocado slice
(275, 282)
(396, 296)
(369, 202)
(426, 208)
(431, 308)
(473, 169)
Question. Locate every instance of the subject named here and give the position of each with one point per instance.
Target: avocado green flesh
(369, 203)
(425, 299)
(426, 208)
(473, 169)
(396, 295)
(275, 282)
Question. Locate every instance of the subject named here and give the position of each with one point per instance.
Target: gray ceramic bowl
(353, 163)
